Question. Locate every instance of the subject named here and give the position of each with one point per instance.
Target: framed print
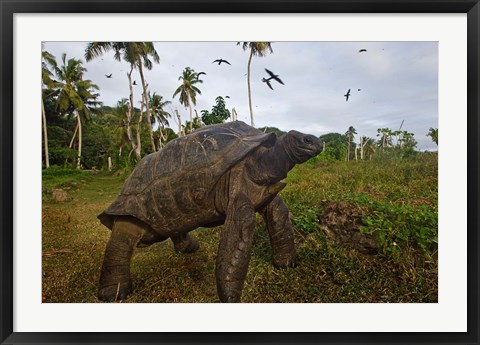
(302, 138)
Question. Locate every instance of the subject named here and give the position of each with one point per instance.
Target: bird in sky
(221, 60)
(108, 76)
(362, 50)
(227, 96)
(359, 89)
(134, 82)
(199, 74)
(347, 95)
(268, 82)
(274, 76)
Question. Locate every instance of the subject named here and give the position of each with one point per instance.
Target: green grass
(399, 196)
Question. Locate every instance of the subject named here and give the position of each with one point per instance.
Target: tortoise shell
(175, 187)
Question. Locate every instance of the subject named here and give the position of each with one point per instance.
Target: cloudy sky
(398, 81)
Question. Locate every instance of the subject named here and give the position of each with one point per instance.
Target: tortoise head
(301, 147)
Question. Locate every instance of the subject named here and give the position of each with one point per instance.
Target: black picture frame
(9, 7)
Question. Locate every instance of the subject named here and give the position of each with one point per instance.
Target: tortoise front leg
(280, 231)
(115, 281)
(234, 250)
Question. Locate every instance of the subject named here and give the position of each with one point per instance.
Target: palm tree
(138, 55)
(159, 114)
(120, 112)
(385, 137)
(188, 91)
(48, 60)
(259, 49)
(370, 147)
(76, 95)
(350, 136)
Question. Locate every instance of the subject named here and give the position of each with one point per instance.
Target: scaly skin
(280, 231)
(127, 234)
(115, 280)
(185, 244)
(234, 249)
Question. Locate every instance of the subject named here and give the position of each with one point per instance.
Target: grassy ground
(399, 204)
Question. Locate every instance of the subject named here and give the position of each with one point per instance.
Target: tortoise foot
(185, 244)
(117, 292)
(285, 262)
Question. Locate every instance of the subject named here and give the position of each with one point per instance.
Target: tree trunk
(130, 117)
(129, 111)
(199, 122)
(356, 153)
(191, 118)
(45, 138)
(249, 89)
(109, 163)
(362, 145)
(79, 125)
(348, 150)
(145, 101)
(74, 135)
(138, 149)
(161, 139)
(179, 123)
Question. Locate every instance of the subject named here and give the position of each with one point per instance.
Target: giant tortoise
(219, 174)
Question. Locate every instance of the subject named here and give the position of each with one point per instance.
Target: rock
(59, 195)
(341, 223)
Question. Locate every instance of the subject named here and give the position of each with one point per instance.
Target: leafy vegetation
(400, 202)
(219, 113)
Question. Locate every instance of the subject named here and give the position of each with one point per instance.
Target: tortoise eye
(308, 140)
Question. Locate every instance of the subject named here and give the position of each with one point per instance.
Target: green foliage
(170, 134)
(58, 140)
(62, 156)
(96, 147)
(335, 148)
(275, 130)
(400, 226)
(195, 125)
(395, 193)
(306, 219)
(218, 114)
(433, 133)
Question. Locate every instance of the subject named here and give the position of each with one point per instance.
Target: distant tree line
(349, 147)
(79, 131)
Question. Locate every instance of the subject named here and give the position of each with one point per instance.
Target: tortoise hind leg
(115, 280)
(280, 231)
(234, 250)
(185, 243)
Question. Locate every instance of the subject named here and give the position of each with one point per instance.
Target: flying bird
(134, 82)
(362, 51)
(227, 96)
(359, 89)
(221, 60)
(198, 74)
(108, 76)
(347, 95)
(268, 82)
(274, 76)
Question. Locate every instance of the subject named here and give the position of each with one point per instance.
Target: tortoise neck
(271, 165)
